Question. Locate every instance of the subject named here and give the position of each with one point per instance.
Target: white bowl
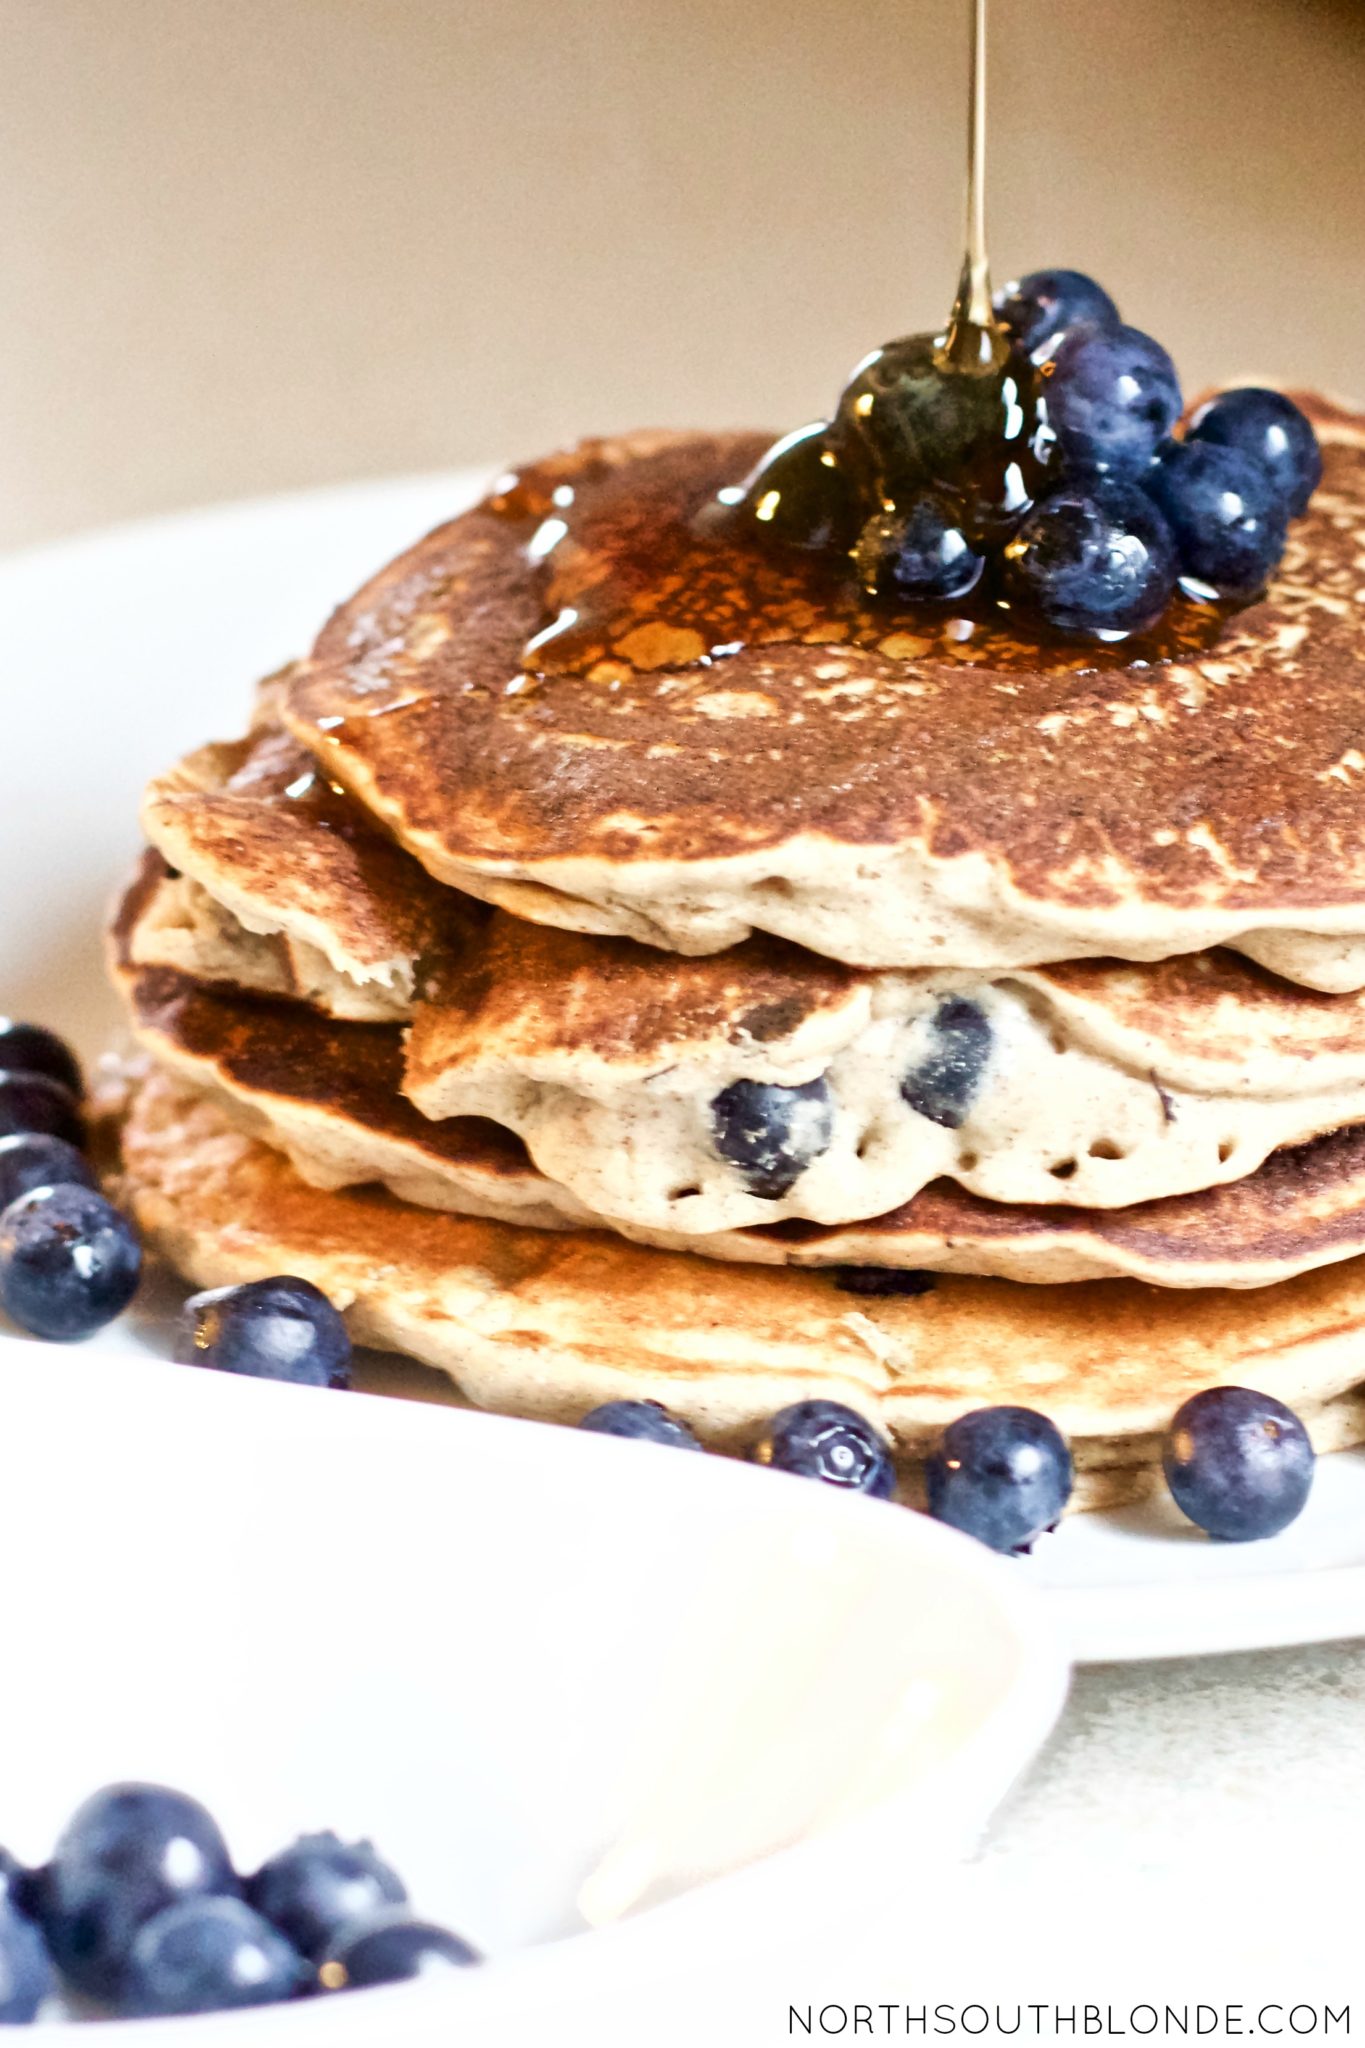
(543, 1670)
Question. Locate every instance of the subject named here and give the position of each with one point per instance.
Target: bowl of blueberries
(356, 1718)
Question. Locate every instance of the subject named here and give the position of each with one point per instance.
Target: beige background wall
(248, 244)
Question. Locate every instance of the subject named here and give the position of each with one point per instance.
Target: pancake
(1096, 1087)
(327, 1095)
(1094, 1084)
(706, 740)
(340, 915)
(547, 1325)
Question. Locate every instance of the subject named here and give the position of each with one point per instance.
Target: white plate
(507, 1653)
(121, 650)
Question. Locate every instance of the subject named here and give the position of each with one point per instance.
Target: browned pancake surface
(1230, 780)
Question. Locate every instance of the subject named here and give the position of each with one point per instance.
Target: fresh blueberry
(208, 1955)
(1239, 1464)
(69, 1263)
(799, 495)
(25, 1967)
(30, 1049)
(825, 1440)
(908, 421)
(129, 1852)
(34, 1161)
(1094, 557)
(883, 1280)
(772, 1133)
(1112, 399)
(1001, 1474)
(944, 1083)
(1225, 513)
(391, 1949)
(33, 1103)
(920, 555)
(283, 1329)
(20, 1887)
(320, 1886)
(1046, 303)
(1269, 428)
(650, 1421)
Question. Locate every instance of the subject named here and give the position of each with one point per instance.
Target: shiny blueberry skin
(281, 1329)
(1239, 1464)
(771, 1134)
(69, 1263)
(825, 1440)
(1112, 398)
(1095, 556)
(32, 1103)
(1002, 1475)
(390, 1950)
(884, 1280)
(1269, 428)
(208, 1955)
(129, 1852)
(33, 1160)
(799, 496)
(1225, 514)
(1046, 303)
(647, 1421)
(919, 555)
(319, 1886)
(31, 1049)
(945, 1082)
(25, 1967)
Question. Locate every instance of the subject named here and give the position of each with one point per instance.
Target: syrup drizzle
(638, 580)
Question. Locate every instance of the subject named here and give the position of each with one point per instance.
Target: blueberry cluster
(1045, 478)
(69, 1262)
(141, 1911)
(1239, 1464)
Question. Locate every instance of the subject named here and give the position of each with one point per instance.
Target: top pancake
(913, 801)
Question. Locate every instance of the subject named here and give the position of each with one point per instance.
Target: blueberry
(208, 1955)
(69, 1263)
(129, 1852)
(1239, 1464)
(883, 1280)
(1095, 556)
(944, 1084)
(20, 1887)
(281, 1329)
(33, 1103)
(25, 1967)
(908, 421)
(36, 1161)
(1269, 428)
(825, 1440)
(319, 1887)
(1225, 514)
(390, 1950)
(650, 1421)
(920, 555)
(1002, 1475)
(1112, 399)
(1046, 303)
(772, 1133)
(30, 1049)
(800, 497)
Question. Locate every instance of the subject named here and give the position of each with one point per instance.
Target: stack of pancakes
(774, 999)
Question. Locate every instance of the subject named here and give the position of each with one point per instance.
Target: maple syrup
(636, 581)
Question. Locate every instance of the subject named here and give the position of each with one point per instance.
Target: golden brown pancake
(547, 1325)
(327, 1094)
(256, 828)
(863, 784)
